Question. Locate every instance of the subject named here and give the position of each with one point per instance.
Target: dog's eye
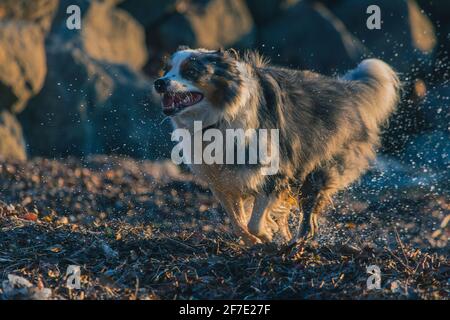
(191, 72)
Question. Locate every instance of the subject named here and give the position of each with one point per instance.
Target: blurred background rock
(78, 92)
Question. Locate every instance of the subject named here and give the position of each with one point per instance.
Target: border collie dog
(329, 129)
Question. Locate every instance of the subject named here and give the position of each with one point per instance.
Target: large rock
(22, 63)
(439, 13)
(12, 145)
(112, 35)
(265, 10)
(107, 33)
(406, 37)
(94, 99)
(209, 23)
(309, 36)
(87, 106)
(40, 12)
(221, 23)
(149, 13)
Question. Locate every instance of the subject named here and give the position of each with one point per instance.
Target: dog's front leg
(261, 223)
(234, 206)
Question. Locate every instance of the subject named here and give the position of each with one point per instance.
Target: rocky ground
(146, 230)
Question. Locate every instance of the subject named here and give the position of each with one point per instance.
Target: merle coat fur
(329, 129)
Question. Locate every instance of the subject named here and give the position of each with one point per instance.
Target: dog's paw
(250, 240)
(261, 232)
(264, 231)
(265, 235)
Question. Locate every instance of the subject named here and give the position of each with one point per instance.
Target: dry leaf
(350, 225)
(30, 216)
(56, 248)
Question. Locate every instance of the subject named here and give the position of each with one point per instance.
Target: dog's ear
(220, 51)
(182, 47)
(232, 53)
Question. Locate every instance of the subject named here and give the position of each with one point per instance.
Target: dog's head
(199, 85)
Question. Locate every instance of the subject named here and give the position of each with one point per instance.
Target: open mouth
(174, 102)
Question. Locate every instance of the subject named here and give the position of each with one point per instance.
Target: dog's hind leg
(315, 195)
(312, 209)
(319, 187)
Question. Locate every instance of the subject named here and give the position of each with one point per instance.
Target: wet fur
(329, 132)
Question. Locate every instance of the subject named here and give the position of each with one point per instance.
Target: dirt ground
(146, 230)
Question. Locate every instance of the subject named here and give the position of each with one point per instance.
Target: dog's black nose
(160, 85)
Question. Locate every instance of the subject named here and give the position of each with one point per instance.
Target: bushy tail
(380, 88)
